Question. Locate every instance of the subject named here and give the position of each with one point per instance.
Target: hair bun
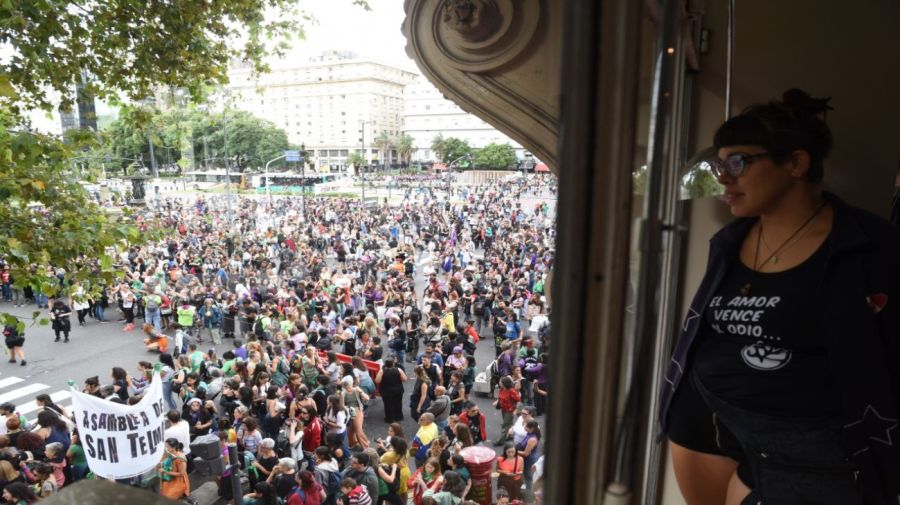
(800, 103)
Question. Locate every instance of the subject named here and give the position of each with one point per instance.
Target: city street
(97, 347)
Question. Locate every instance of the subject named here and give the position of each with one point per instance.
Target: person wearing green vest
(186, 314)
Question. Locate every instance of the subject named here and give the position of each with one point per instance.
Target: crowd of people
(279, 327)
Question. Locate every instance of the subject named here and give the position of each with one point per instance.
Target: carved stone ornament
(498, 59)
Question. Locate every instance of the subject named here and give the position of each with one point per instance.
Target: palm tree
(357, 160)
(439, 146)
(405, 147)
(383, 142)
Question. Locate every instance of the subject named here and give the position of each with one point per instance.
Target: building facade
(428, 114)
(334, 104)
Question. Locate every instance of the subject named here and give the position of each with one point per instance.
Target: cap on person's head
(267, 443)
(195, 400)
(457, 349)
(347, 381)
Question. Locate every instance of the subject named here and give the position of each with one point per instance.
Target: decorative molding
(493, 58)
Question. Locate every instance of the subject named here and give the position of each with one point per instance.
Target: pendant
(774, 260)
(746, 289)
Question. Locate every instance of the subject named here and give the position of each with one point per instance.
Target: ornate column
(497, 59)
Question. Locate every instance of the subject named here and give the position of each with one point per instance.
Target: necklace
(756, 263)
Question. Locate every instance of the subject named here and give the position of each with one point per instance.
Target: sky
(341, 25)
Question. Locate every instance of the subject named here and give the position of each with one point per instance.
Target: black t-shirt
(766, 351)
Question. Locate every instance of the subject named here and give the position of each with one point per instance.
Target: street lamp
(449, 166)
(362, 175)
(269, 186)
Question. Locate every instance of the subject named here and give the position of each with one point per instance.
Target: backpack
(331, 482)
(152, 303)
(392, 487)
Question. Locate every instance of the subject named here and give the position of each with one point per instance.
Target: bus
(290, 182)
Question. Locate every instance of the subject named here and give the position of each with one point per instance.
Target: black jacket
(862, 326)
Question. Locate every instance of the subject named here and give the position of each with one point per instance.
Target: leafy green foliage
(495, 156)
(178, 134)
(48, 221)
(405, 146)
(132, 46)
(452, 149)
(383, 142)
(356, 159)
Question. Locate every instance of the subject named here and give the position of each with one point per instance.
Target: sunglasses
(734, 165)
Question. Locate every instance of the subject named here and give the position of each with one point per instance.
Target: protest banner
(121, 441)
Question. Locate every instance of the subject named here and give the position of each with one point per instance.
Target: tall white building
(428, 114)
(330, 103)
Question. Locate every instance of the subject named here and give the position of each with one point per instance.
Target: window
(345, 152)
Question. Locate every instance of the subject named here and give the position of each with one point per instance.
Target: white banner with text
(121, 441)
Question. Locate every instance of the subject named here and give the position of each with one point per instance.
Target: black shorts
(693, 425)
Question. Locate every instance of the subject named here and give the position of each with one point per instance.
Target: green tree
(700, 182)
(122, 48)
(383, 142)
(454, 149)
(495, 156)
(439, 147)
(405, 146)
(356, 159)
(251, 141)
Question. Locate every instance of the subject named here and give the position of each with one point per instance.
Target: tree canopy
(116, 49)
(405, 146)
(451, 149)
(191, 137)
(495, 156)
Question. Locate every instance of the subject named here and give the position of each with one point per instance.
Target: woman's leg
(361, 437)
(704, 479)
(20, 352)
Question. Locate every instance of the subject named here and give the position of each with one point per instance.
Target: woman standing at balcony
(783, 384)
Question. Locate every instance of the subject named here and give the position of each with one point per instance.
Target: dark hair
(49, 419)
(266, 493)
(29, 441)
(453, 484)
(173, 416)
(21, 491)
(783, 127)
(166, 359)
(173, 442)
(399, 445)
(348, 482)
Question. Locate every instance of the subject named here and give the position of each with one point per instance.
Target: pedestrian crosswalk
(22, 395)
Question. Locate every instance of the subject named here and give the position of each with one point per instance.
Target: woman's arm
(423, 393)
(403, 376)
(378, 376)
(528, 448)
